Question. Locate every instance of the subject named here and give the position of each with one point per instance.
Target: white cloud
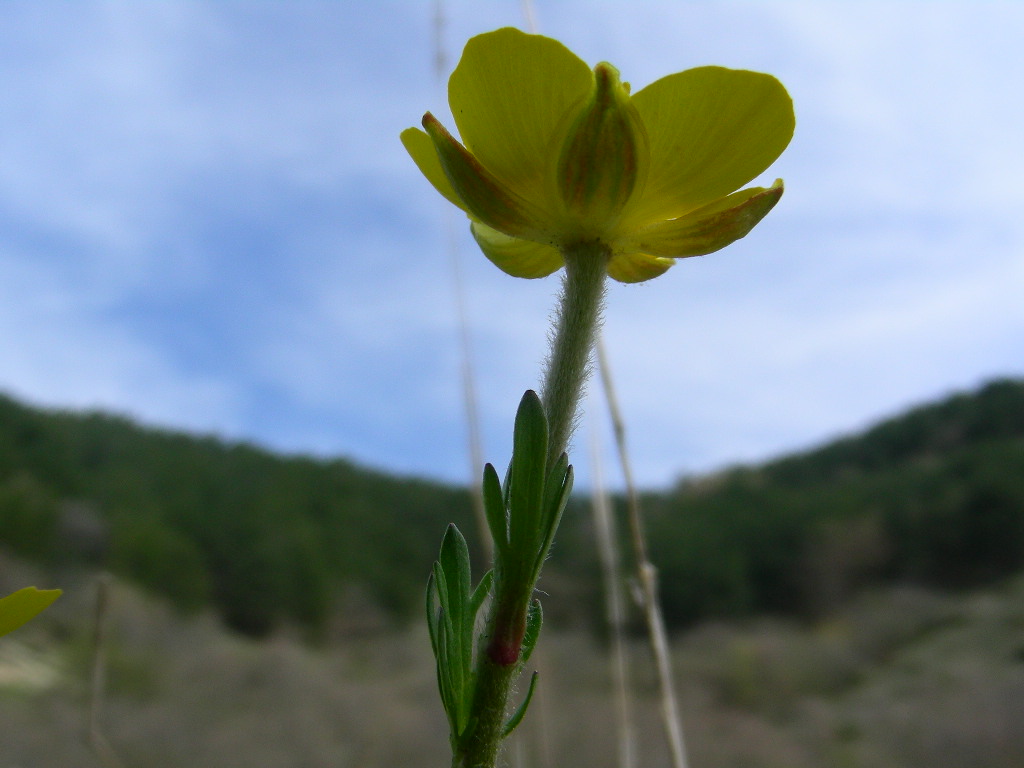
(206, 219)
(59, 350)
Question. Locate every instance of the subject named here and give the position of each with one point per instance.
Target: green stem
(481, 749)
(579, 316)
(497, 666)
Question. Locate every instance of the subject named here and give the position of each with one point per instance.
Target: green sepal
(534, 620)
(495, 509)
(607, 129)
(482, 193)
(519, 713)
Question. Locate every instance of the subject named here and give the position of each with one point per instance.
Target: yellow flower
(555, 156)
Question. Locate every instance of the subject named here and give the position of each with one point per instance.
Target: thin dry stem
(97, 740)
(615, 613)
(647, 574)
(529, 16)
(462, 318)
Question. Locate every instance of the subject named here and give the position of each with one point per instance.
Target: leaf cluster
(522, 514)
(452, 612)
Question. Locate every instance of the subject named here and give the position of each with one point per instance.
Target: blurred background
(230, 373)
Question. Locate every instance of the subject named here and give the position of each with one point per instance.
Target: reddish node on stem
(507, 640)
(503, 654)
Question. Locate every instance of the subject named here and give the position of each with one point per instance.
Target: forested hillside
(263, 537)
(935, 496)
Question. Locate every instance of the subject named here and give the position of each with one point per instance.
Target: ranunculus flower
(555, 156)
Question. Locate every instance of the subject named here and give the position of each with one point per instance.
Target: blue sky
(207, 222)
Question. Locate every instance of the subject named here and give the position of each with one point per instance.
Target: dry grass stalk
(647, 574)
(614, 611)
(468, 379)
(97, 740)
(529, 16)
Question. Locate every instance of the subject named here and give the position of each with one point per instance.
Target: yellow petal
(636, 267)
(421, 148)
(707, 229)
(710, 130)
(512, 95)
(516, 257)
(23, 605)
(482, 194)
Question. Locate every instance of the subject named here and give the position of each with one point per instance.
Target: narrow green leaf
(483, 589)
(454, 561)
(442, 690)
(534, 620)
(553, 514)
(432, 610)
(556, 481)
(494, 507)
(517, 718)
(527, 475)
(449, 680)
(506, 497)
(449, 653)
(440, 585)
(23, 606)
(467, 732)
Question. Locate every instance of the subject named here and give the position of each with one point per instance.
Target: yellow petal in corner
(23, 606)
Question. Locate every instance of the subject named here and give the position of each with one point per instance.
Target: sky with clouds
(207, 222)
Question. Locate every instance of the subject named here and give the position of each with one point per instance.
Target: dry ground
(901, 679)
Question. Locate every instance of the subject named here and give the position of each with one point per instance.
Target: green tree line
(264, 538)
(934, 496)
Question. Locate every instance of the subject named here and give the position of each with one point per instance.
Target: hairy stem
(493, 685)
(572, 341)
(498, 659)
